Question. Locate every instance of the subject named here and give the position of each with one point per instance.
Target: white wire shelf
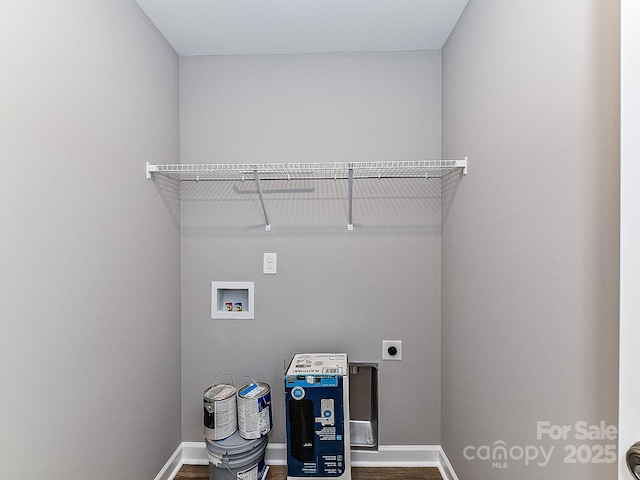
(258, 172)
(290, 171)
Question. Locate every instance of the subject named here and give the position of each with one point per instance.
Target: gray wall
(530, 251)
(90, 292)
(335, 290)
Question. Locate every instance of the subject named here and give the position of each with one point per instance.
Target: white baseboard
(397, 456)
(195, 453)
(172, 466)
(446, 469)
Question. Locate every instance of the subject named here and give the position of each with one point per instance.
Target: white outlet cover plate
(270, 263)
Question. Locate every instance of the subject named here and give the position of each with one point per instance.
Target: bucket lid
(235, 445)
(237, 455)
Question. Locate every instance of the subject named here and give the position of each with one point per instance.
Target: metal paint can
(220, 411)
(254, 410)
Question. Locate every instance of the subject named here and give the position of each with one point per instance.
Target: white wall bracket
(261, 195)
(350, 224)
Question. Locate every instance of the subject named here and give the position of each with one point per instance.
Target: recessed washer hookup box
(317, 416)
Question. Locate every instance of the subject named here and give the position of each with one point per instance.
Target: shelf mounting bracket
(350, 224)
(261, 195)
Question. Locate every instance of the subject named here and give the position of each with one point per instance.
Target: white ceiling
(238, 27)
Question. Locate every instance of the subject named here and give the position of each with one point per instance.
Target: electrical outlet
(269, 263)
(392, 350)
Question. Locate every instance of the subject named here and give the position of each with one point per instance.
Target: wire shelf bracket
(261, 195)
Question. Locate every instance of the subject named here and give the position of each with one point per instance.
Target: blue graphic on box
(315, 425)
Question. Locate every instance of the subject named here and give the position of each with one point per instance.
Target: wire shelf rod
(261, 195)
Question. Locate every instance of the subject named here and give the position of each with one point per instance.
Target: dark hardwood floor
(279, 472)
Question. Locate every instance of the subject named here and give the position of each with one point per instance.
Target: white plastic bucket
(236, 458)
